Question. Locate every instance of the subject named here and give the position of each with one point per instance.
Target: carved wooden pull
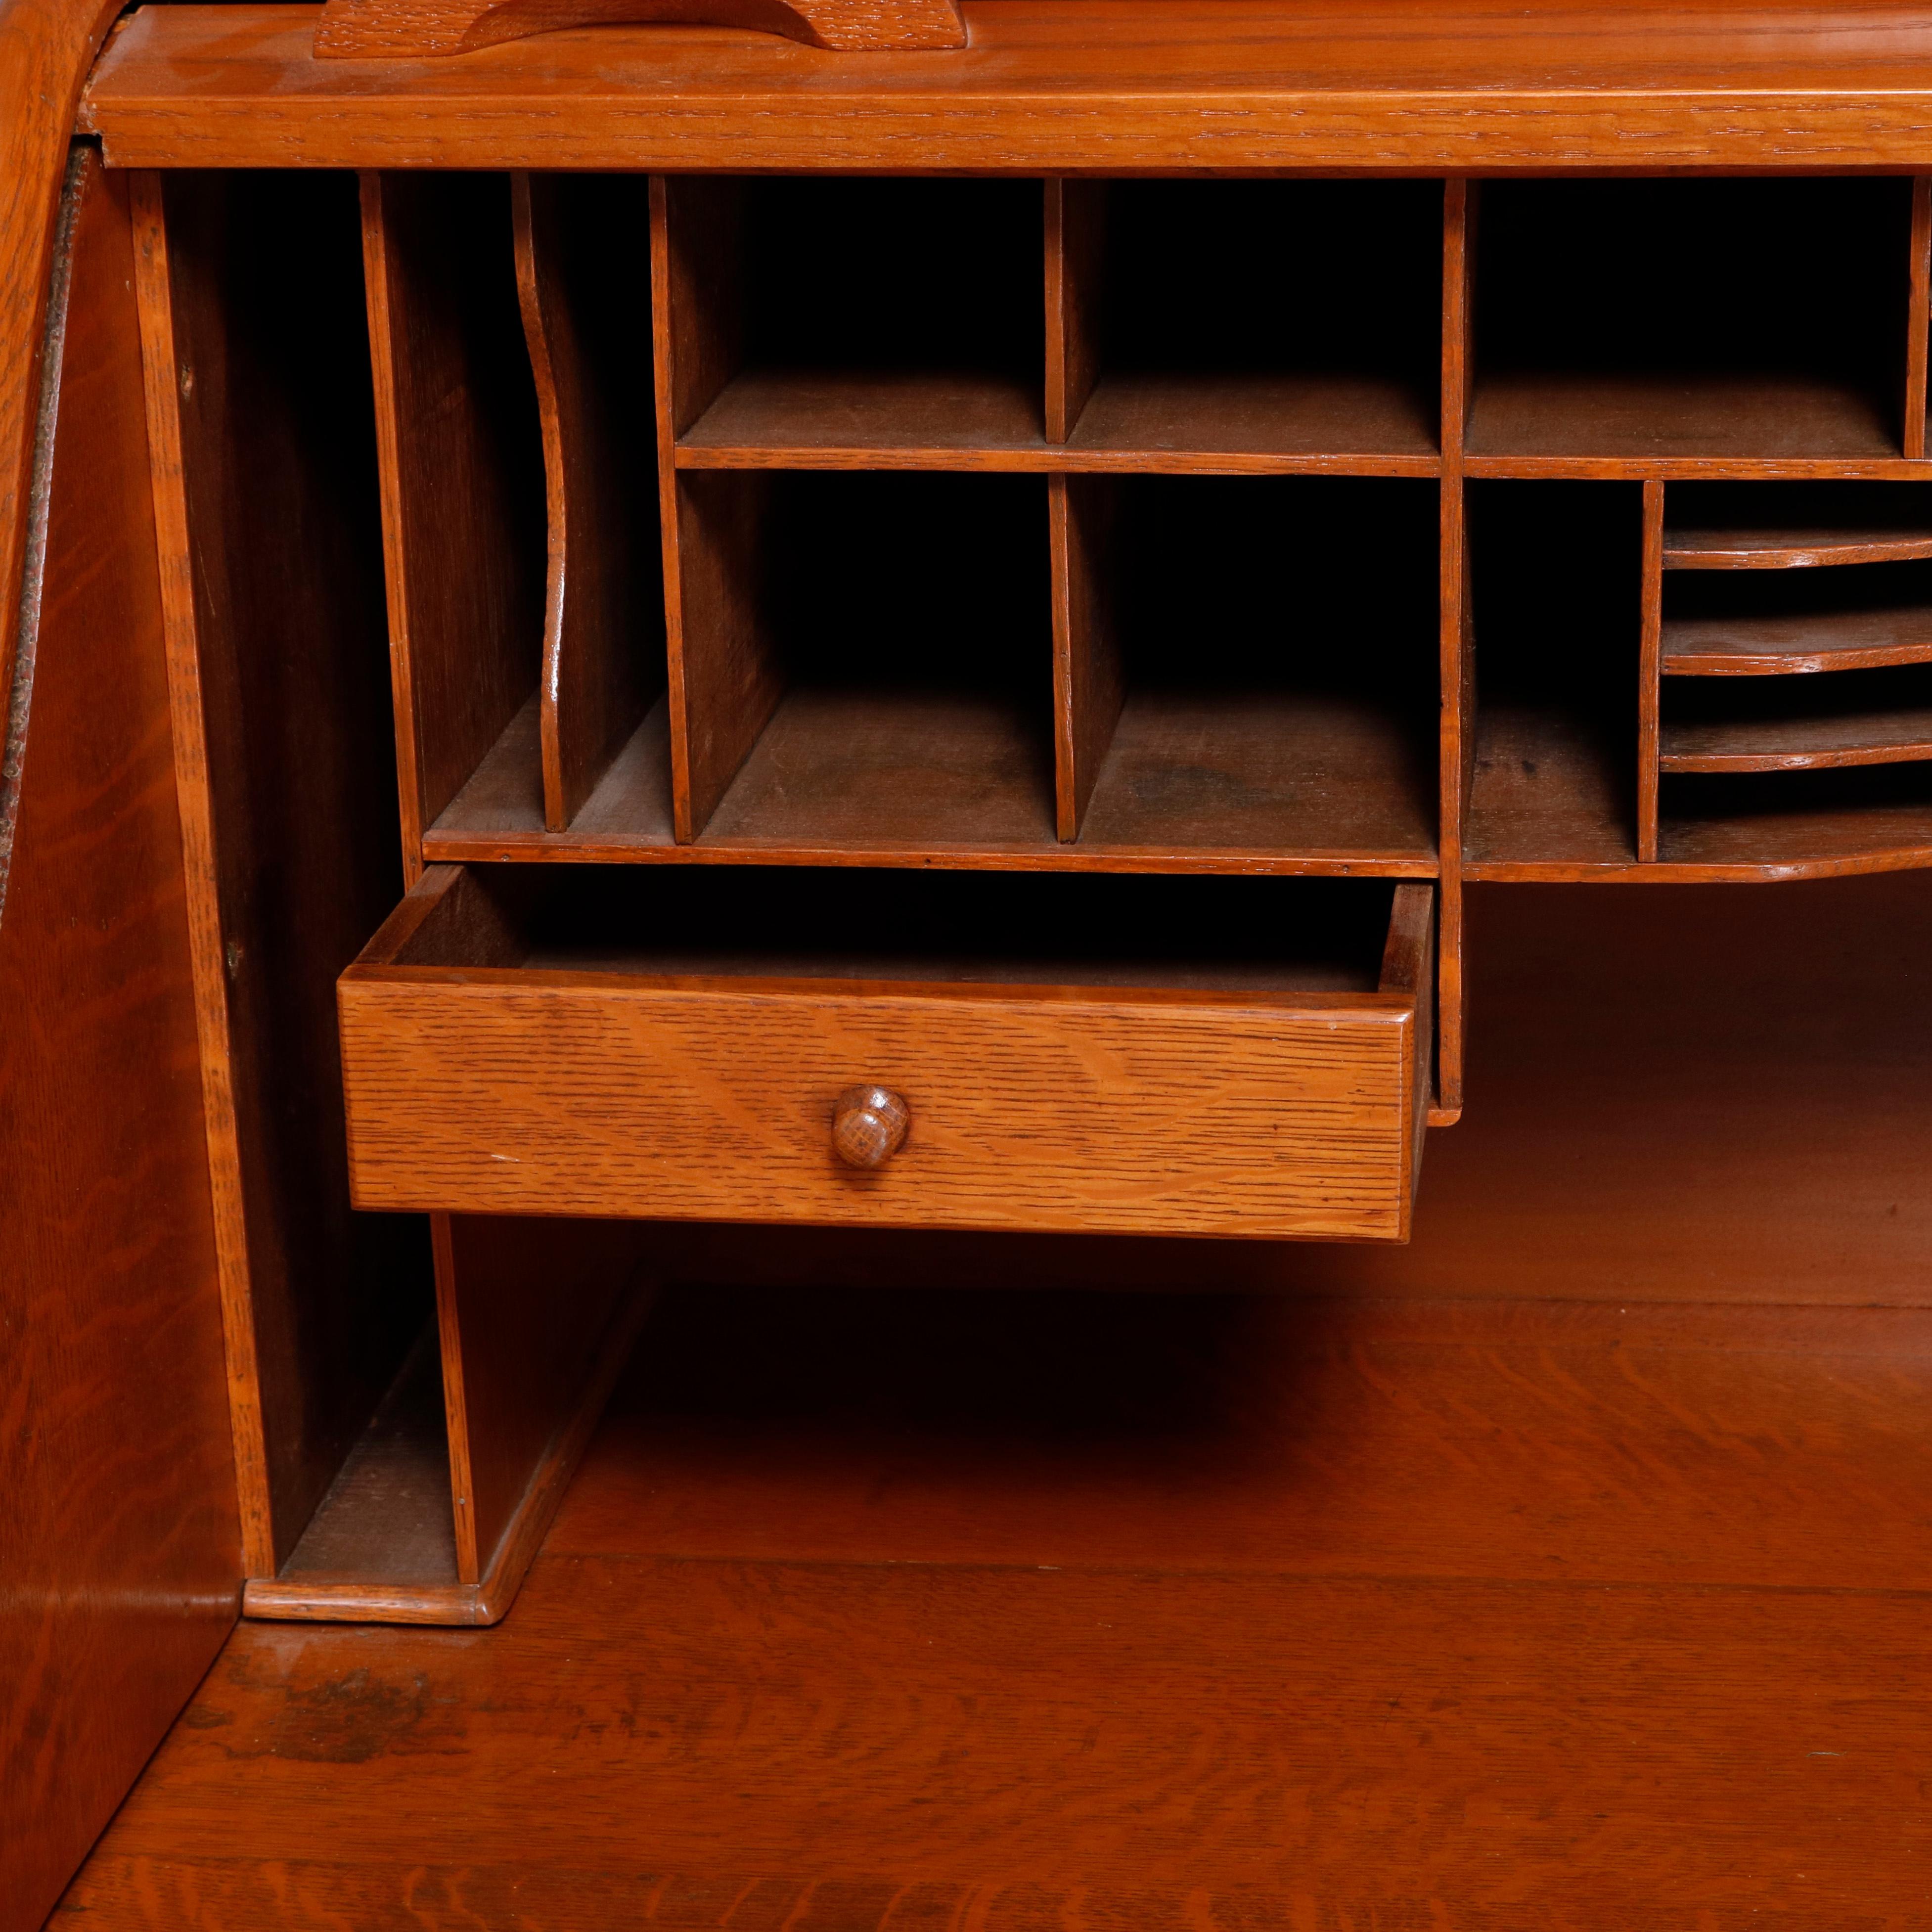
(415, 29)
(868, 1126)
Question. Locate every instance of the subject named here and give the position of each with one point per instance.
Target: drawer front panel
(528, 1092)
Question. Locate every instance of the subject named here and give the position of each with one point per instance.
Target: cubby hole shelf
(1763, 724)
(1185, 331)
(822, 322)
(1742, 320)
(1249, 666)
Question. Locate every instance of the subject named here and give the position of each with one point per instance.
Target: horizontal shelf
(1297, 791)
(1800, 825)
(807, 419)
(1799, 642)
(1205, 417)
(1789, 740)
(1253, 772)
(780, 419)
(1790, 550)
(1661, 418)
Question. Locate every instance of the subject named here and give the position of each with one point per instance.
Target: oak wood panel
(47, 47)
(1790, 549)
(583, 277)
(375, 29)
(1289, 1434)
(1089, 680)
(849, 1571)
(1773, 645)
(259, 414)
(1548, 791)
(1258, 84)
(462, 476)
(1082, 1107)
(118, 1516)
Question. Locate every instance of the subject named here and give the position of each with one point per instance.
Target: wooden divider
(582, 247)
(724, 683)
(461, 458)
(1919, 316)
(1649, 691)
(1456, 771)
(1087, 685)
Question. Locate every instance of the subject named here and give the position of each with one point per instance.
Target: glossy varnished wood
(1497, 1614)
(1790, 549)
(374, 29)
(1235, 84)
(122, 1554)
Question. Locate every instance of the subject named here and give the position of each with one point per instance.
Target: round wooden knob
(868, 1126)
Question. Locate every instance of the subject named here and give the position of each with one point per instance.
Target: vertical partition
(1649, 694)
(1918, 314)
(462, 474)
(1457, 770)
(583, 248)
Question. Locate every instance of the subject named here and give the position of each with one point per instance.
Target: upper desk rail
(1047, 86)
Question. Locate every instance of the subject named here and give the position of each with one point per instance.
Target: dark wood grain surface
(120, 1557)
(1192, 1611)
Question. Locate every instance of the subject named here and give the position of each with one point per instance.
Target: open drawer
(1185, 1055)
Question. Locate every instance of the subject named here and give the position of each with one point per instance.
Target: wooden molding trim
(412, 29)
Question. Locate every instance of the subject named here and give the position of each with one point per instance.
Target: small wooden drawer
(1146, 1054)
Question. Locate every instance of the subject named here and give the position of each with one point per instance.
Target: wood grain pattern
(1704, 1163)
(47, 47)
(1505, 1614)
(407, 29)
(462, 477)
(1256, 84)
(1790, 549)
(1798, 737)
(1050, 1107)
(583, 277)
(1757, 646)
(259, 415)
(117, 1485)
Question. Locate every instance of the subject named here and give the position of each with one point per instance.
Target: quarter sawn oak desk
(677, 658)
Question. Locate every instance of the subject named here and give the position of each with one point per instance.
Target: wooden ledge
(1047, 86)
